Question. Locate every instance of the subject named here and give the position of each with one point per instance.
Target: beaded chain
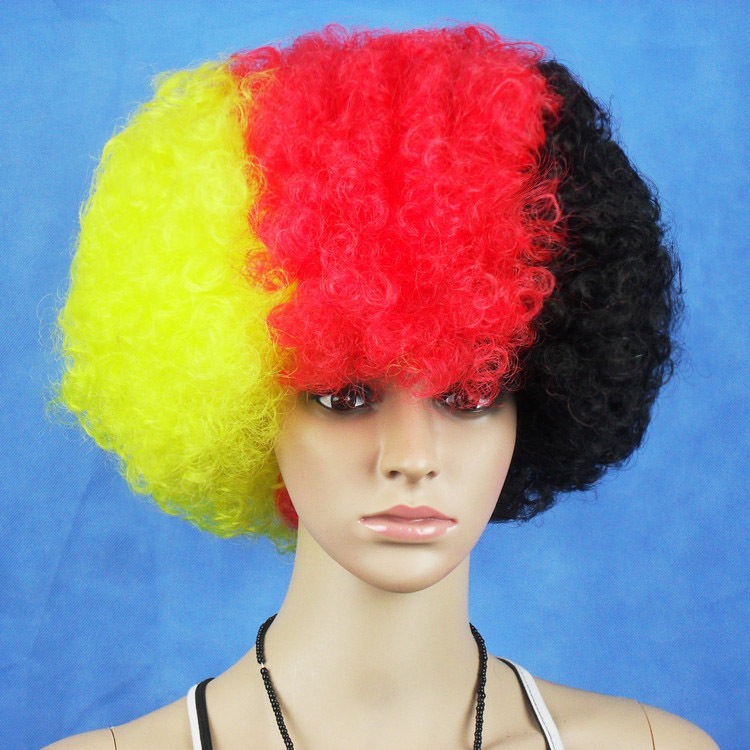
(260, 654)
(266, 675)
(481, 684)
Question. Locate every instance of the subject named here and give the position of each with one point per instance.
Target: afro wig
(436, 207)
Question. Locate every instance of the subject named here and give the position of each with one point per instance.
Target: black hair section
(605, 338)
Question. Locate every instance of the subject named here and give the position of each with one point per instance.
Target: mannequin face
(351, 472)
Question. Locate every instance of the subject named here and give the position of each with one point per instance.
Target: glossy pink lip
(410, 514)
(409, 524)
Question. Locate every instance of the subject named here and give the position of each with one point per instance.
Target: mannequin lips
(406, 513)
(409, 524)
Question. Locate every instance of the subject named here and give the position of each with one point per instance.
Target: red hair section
(407, 197)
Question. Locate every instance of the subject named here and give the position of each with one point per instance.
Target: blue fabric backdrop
(111, 609)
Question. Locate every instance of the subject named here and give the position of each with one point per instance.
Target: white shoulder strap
(543, 716)
(193, 718)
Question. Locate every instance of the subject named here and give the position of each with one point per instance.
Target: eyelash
(364, 392)
(368, 396)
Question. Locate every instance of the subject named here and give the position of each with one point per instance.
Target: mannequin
(371, 274)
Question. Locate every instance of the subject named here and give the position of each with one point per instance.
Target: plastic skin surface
(347, 469)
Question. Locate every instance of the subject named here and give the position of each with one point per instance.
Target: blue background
(111, 609)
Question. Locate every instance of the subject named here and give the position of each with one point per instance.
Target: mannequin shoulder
(234, 700)
(165, 727)
(101, 739)
(675, 733)
(586, 720)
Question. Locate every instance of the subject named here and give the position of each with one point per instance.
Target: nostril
(414, 474)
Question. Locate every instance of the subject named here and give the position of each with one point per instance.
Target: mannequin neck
(332, 623)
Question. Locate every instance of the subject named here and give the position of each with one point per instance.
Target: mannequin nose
(408, 448)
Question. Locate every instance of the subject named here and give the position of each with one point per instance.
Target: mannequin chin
(400, 451)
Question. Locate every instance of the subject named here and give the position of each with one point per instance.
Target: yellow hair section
(167, 358)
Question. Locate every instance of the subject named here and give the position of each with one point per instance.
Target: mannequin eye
(351, 398)
(460, 402)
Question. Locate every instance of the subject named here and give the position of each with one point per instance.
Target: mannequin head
(390, 448)
(438, 212)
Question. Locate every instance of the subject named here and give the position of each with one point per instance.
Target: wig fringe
(407, 196)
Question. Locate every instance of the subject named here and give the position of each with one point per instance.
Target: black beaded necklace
(266, 675)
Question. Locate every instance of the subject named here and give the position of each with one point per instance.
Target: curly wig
(435, 207)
